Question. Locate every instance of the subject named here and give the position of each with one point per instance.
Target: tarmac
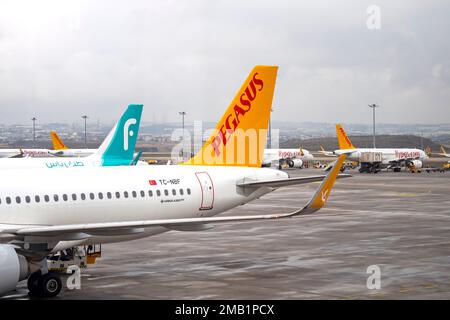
(398, 222)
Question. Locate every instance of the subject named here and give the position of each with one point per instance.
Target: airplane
(443, 153)
(116, 149)
(88, 206)
(61, 150)
(25, 152)
(294, 158)
(373, 159)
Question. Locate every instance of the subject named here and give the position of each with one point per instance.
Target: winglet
(343, 139)
(320, 197)
(57, 142)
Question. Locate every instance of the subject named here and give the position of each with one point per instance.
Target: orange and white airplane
(96, 205)
(61, 150)
(391, 158)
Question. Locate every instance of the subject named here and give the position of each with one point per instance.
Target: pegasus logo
(127, 132)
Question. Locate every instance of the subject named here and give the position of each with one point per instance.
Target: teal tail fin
(137, 158)
(118, 147)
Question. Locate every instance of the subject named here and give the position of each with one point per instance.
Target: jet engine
(295, 163)
(417, 164)
(13, 268)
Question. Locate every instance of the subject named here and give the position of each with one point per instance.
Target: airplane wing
(75, 231)
(286, 182)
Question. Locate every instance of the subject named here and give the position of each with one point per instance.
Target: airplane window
(158, 193)
(174, 192)
(8, 200)
(83, 196)
(166, 192)
(27, 199)
(188, 191)
(100, 195)
(150, 193)
(37, 199)
(125, 194)
(109, 195)
(55, 196)
(181, 192)
(142, 193)
(65, 197)
(134, 194)
(74, 197)
(18, 199)
(91, 195)
(46, 198)
(0, 201)
(118, 195)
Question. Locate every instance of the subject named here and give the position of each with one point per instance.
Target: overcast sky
(62, 59)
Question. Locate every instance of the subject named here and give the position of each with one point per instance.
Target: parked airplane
(294, 158)
(24, 152)
(443, 153)
(112, 204)
(116, 149)
(373, 159)
(61, 150)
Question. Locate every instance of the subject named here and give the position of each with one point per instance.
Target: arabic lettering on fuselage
(64, 164)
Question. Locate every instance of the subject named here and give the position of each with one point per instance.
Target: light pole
(270, 130)
(34, 130)
(373, 106)
(85, 117)
(182, 113)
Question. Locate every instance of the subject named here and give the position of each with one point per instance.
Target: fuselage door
(207, 188)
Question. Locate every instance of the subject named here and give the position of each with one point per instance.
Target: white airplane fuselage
(116, 194)
(271, 155)
(74, 153)
(48, 163)
(8, 153)
(388, 154)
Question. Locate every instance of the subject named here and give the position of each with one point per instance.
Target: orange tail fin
(240, 136)
(57, 142)
(343, 140)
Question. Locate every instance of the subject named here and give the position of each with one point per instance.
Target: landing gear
(47, 285)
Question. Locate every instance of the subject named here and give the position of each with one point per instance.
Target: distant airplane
(373, 159)
(443, 153)
(117, 149)
(294, 158)
(112, 204)
(25, 152)
(61, 150)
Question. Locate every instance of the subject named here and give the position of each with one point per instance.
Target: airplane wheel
(50, 285)
(33, 283)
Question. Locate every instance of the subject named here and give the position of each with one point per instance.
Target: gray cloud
(61, 59)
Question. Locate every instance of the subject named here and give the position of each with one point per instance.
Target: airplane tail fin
(443, 149)
(57, 142)
(118, 146)
(343, 140)
(240, 136)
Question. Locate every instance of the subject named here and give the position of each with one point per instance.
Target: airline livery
(61, 150)
(391, 158)
(294, 158)
(110, 204)
(23, 152)
(116, 149)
